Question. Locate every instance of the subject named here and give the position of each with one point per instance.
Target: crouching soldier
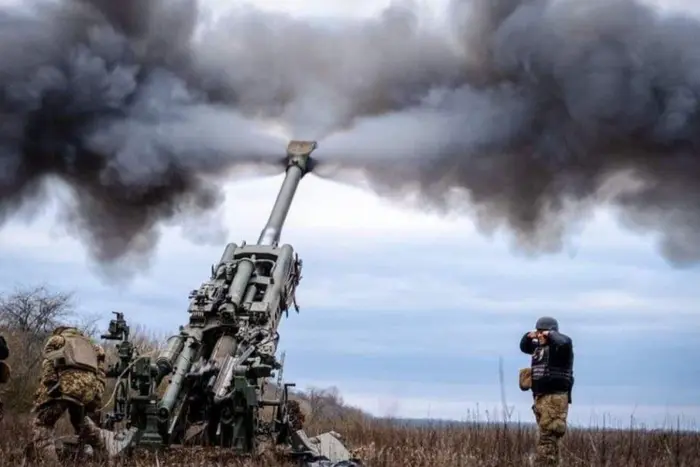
(551, 378)
(72, 380)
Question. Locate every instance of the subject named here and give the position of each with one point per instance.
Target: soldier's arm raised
(526, 345)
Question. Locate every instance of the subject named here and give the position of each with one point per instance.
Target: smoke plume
(553, 99)
(528, 107)
(319, 76)
(136, 105)
(97, 94)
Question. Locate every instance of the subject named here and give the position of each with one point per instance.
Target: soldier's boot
(90, 434)
(546, 461)
(43, 445)
(547, 450)
(546, 456)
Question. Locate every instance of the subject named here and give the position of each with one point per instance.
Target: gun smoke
(101, 102)
(557, 97)
(136, 105)
(528, 106)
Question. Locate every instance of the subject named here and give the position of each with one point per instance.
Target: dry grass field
(382, 444)
(27, 316)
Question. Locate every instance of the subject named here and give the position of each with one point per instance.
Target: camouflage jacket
(83, 387)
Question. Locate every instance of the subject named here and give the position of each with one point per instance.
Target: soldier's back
(70, 368)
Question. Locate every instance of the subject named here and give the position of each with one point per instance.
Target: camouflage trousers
(551, 411)
(48, 414)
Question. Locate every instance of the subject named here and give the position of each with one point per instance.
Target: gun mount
(219, 364)
(119, 331)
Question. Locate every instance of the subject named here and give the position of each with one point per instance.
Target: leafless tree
(324, 403)
(28, 315)
(33, 312)
(88, 324)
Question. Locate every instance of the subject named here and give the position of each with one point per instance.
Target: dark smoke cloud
(527, 106)
(99, 95)
(555, 98)
(137, 104)
(318, 76)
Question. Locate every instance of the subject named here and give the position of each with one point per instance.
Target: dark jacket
(552, 364)
(4, 349)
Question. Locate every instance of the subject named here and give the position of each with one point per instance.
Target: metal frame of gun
(119, 331)
(133, 373)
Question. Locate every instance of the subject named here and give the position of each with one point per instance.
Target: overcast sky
(408, 313)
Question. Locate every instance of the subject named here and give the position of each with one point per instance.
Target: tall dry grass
(384, 444)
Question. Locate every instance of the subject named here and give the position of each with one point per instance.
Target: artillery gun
(219, 364)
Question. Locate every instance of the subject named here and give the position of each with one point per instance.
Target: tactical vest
(77, 353)
(543, 372)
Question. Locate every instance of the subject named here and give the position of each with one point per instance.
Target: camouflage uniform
(551, 411)
(551, 380)
(78, 391)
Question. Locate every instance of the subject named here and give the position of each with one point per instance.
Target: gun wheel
(296, 416)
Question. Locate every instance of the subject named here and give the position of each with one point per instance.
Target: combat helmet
(547, 323)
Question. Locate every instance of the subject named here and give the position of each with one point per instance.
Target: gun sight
(118, 329)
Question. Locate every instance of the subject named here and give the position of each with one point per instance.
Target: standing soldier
(73, 380)
(551, 380)
(4, 370)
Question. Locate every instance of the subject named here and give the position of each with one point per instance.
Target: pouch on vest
(5, 372)
(77, 353)
(525, 379)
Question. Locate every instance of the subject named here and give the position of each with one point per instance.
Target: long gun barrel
(298, 155)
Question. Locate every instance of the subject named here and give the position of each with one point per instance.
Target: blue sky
(408, 313)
